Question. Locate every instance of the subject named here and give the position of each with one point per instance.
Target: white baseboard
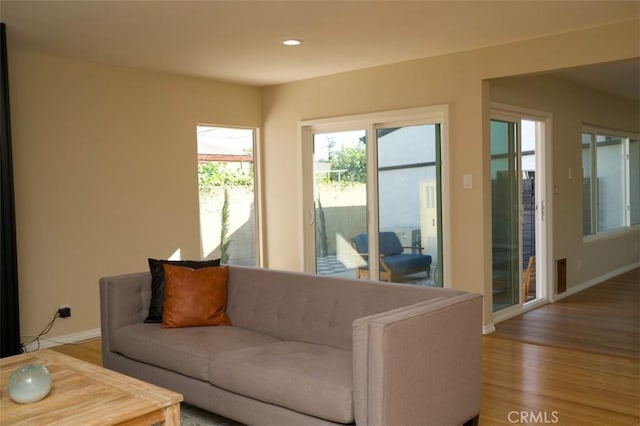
(63, 340)
(595, 281)
(516, 310)
(489, 328)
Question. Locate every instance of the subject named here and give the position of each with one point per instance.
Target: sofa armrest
(124, 299)
(420, 364)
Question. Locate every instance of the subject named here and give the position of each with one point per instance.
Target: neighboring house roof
(227, 158)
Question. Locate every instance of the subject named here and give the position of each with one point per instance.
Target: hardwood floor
(577, 388)
(89, 351)
(574, 363)
(604, 318)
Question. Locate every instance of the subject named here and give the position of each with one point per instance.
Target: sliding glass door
(373, 198)
(518, 198)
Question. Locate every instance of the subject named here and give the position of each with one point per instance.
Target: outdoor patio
(331, 265)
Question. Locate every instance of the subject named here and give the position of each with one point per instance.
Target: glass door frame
(370, 122)
(544, 205)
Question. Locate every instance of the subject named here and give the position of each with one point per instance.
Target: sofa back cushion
(313, 308)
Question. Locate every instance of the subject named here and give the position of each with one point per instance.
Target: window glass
(409, 201)
(587, 187)
(340, 195)
(611, 182)
(227, 195)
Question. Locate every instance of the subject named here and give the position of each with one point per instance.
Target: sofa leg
(473, 422)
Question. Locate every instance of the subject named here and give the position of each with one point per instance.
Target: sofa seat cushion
(183, 350)
(311, 379)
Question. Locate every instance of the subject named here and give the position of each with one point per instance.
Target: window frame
(626, 228)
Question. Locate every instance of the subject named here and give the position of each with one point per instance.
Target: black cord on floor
(42, 333)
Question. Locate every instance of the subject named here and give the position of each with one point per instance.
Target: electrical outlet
(578, 265)
(64, 311)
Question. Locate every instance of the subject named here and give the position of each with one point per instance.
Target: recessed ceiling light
(291, 42)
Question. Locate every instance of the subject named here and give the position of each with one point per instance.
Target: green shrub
(219, 174)
(352, 162)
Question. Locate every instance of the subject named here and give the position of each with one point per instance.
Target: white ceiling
(239, 41)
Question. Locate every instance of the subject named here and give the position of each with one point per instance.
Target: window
(228, 219)
(611, 181)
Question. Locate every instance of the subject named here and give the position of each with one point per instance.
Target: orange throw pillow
(195, 297)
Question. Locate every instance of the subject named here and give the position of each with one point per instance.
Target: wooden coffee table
(86, 394)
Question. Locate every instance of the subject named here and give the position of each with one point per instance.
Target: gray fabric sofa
(308, 350)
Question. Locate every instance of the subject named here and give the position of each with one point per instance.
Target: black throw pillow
(157, 282)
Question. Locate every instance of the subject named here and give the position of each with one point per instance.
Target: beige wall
(457, 80)
(105, 171)
(571, 106)
(105, 175)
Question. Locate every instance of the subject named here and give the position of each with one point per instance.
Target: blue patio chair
(394, 263)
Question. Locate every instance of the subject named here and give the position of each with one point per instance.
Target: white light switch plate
(467, 181)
